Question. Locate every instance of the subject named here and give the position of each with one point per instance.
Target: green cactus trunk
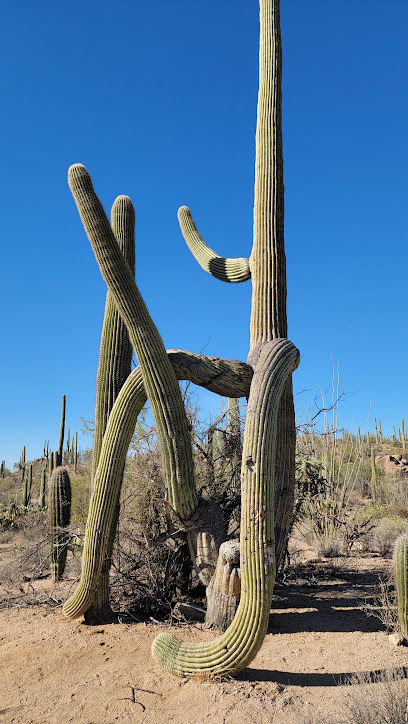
(237, 647)
(28, 484)
(59, 519)
(115, 356)
(41, 499)
(401, 581)
(268, 260)
(59, 453)
(373, 476)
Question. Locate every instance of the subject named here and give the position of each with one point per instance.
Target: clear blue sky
(158, 100)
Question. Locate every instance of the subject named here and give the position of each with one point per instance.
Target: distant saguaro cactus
(59, 519)
(59, 453)
(28, 483)
(41, 499)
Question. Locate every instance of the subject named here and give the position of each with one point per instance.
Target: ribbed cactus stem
(218, 375)
(227, 270)
(41, 499)
(237, 647)
(58, 460)
(59, 517)
(159, 379)
(50, 464)
(401, 581)
(115, 351)
(22, 464)
(114, 366)
(28, 482)
(373, 475)
(268, 261)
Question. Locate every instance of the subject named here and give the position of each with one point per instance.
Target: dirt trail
(58, 671)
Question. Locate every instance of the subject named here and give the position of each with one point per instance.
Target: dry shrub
(379, 697)
(146, 577)
(384, 607)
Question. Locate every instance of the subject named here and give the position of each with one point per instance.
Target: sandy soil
(58, 671)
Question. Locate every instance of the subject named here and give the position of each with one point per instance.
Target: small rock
(395, 639)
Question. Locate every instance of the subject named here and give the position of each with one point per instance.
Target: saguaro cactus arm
(114, 366)
(159, 379)
(115, 352)
(236, 648)
(227, 270)
(214, 374)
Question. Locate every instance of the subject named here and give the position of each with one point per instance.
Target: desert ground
(54, 670)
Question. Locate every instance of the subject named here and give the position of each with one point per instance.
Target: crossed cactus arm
(158, 376)
(217, 375)
(237, 647)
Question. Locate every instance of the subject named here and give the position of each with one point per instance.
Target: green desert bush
(385, 532)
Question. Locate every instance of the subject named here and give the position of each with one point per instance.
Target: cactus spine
(59, 519)
(401, 580)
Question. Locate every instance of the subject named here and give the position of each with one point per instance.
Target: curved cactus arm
(209, 373)
(106, 491)
(225, 377)
(237, 647)
(158, 375)
(227, 270)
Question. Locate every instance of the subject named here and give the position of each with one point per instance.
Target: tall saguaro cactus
(59, 518)
(115, 357)
(267, 469)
